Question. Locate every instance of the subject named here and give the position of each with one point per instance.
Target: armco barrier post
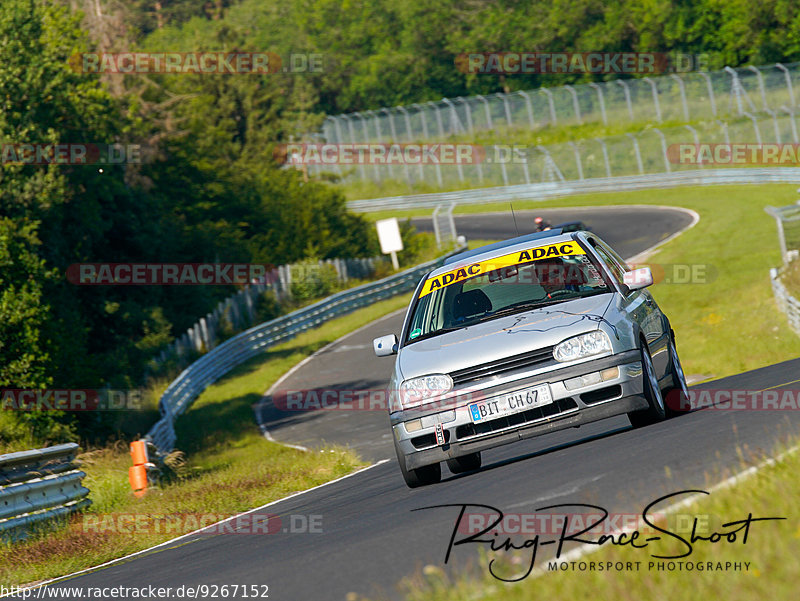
(137, 474)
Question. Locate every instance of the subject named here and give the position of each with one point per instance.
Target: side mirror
(385, 345)
(638, 278)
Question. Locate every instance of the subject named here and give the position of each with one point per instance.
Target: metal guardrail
(544, 191)
(786, 302)
(182, 392)
(38, 486)
(239, 308)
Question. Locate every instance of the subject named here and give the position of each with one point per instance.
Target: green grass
(772, 549)
(228, 467)
(790, 276)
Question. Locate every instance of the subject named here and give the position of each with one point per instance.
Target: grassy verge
(770, 552)
(228, 468)
(791, 278)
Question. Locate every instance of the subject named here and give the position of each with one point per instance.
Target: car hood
(502, 337)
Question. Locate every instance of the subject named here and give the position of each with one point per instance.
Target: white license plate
(515, 402)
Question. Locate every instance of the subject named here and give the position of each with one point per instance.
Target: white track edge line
(194, 532)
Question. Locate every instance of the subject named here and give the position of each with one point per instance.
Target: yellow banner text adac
(516, 258)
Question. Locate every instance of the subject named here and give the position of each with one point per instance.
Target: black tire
(465, 463)
(655, 411)
(421, 476)
(676, 396)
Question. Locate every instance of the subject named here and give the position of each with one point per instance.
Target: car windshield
(457, 299)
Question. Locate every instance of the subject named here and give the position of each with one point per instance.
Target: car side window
(616, 270)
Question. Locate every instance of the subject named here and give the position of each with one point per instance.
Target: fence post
(605, 156)
(663, 149)
(788, 80)
(792, 121)
(468, 111)
(760, 86)
(775, 127)
(575, 105)
(602, 102)
(736, 89)
(452, 221)
(627, 91)
(487, 111)
(657, 105)
(781, 236)
(755, 125)
(636, 151)
(529, 108)
(683, 95)
(551, 104)
(577, 159)
(455, 122)
(436, 231)
(394, 140)
(441, 137)
(707, 79)
(503, 169)
(696, 139)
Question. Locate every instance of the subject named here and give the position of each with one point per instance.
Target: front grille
(516, 419)
(539, 357)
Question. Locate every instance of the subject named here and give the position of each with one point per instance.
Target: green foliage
(311, 280)
(417, 246)
(267, 307)
(384, 52)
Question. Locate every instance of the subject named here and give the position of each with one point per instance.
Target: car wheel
(676, 397)
(465, 463)
(421, 476)
(655, 411)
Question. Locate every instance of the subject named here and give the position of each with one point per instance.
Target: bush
(311, 279)
(417, 246)
(267, 307)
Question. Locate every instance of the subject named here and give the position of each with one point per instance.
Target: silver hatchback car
(524, 337)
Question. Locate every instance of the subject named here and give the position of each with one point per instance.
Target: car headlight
(585, 345)
(416, 390)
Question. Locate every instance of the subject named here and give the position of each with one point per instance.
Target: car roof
(503, 247)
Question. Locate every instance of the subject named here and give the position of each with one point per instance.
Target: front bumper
(569, 408)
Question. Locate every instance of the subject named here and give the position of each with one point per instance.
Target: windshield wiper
(520, 307)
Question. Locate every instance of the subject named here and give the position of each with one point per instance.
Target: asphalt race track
(371, 538)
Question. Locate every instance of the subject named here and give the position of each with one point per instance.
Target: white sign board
(389, 235)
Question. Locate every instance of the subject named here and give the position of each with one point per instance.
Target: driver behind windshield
(555, 278)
